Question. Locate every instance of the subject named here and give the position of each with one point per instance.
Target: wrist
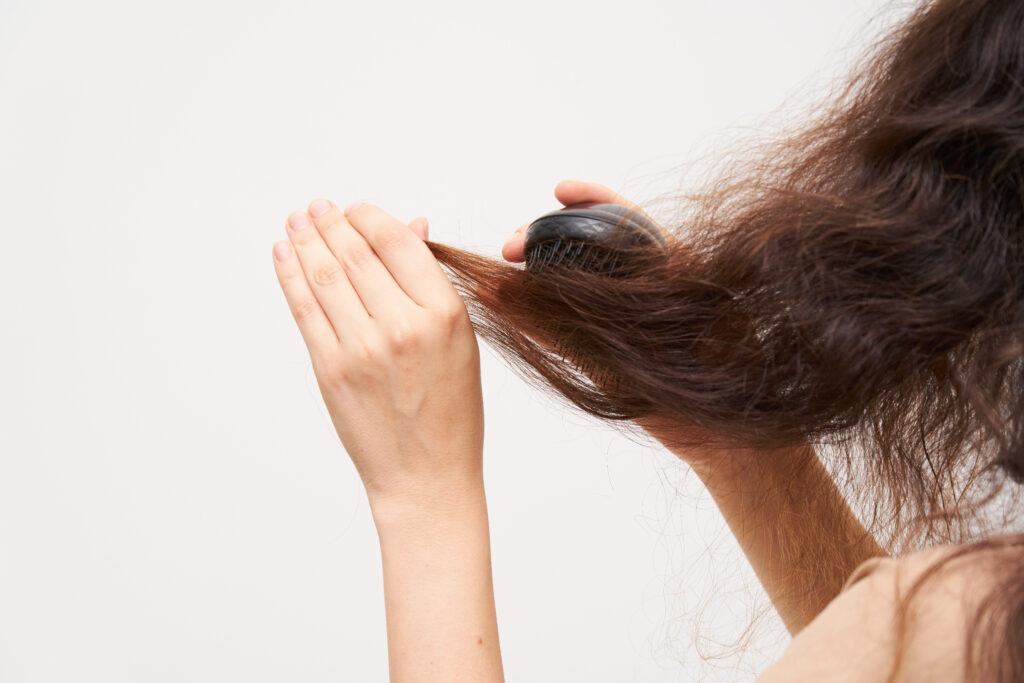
(433, 505)
(438, 587)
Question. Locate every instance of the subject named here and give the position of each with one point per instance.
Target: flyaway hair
(857, 284)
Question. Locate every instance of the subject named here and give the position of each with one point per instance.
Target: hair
(857, 283)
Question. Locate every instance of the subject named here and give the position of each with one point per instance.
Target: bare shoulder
(858, 635)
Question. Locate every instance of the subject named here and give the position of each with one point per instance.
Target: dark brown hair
(857, 283)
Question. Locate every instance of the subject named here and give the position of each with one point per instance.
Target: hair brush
(590, 236)
(605, 239)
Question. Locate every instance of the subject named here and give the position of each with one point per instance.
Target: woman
(854, 291)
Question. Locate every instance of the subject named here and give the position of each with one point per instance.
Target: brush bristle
(570, 351)
(573, 254)
(580, 256)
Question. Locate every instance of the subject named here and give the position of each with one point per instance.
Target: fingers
(576, 192)
(326, 277)
(513, 247)
(354, 262)
(406, 259)
(335, 283)
(314, 325)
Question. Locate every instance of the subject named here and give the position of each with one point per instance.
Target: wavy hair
(857, 283)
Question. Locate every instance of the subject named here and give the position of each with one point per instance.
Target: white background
(174, 502)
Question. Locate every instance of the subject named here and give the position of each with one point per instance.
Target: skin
(788, 516)
(398, 367)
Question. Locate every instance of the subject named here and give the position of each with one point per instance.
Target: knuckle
(391, 238)
(454, 314)
(329, 226)
(342, 378)
(327, 274)
(356, 256)
(404, 336)
(360, 357)
(305, 308)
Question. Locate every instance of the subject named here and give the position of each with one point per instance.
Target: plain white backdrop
(174, 502)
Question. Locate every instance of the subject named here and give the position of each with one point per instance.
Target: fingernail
(352, 207)
(282, 250)
(319, 207)
(298, 220)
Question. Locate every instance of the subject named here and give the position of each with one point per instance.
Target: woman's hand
(392, 348)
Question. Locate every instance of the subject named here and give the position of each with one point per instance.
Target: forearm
(791, 521)
(438, 590)
(787, 514)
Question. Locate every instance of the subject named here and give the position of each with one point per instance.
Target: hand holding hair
(392, 348)
(398, 366)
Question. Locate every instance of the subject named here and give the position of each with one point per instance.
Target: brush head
(593, 237)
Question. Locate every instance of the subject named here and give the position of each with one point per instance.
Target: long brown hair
(857, 283)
